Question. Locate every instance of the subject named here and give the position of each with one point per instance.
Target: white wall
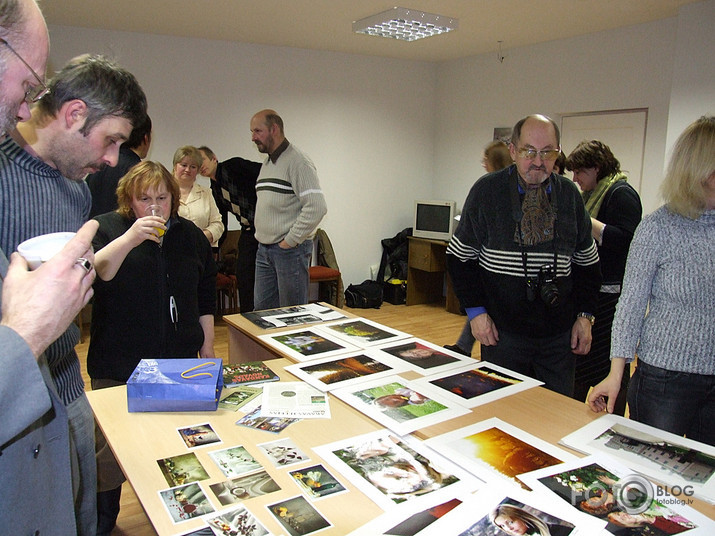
(384, 132)
(693, 92)
(366, 122)
(625, 68)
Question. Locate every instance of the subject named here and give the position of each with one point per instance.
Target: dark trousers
(678, 402)
(246, 269)
(548, 359)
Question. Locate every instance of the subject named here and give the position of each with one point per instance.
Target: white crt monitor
(434, 219)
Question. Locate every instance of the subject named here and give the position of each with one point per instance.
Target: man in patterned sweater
(524, 264)
(74, 130)
(289, 208)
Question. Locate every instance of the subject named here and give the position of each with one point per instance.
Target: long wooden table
(140, 439)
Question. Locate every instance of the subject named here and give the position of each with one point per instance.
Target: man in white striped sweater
(289, 208)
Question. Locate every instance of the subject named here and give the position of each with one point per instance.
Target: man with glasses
(524, 264)
(76, 128)
(37, 306)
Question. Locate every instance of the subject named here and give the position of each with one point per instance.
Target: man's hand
(581, 336)
(39, 305)
(484, 330)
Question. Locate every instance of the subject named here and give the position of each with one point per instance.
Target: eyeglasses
(530, 153)
(33, 93)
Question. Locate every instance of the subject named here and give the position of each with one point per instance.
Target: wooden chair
(323, 274)
(226, 294)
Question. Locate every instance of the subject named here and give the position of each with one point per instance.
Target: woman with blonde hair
(517, 521)
(154, 296)
(196, 203)
(666, 310)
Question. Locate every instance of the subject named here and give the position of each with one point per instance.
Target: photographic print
(185, 502)
(307, 344)
(316, 482)
(332, 373)
(667, 458)
(274, 425)
(391, 470)
(503, 509)
(411, 519)
(182, 469)
(493, 447)
(595, 486)
(234, 461)
(298, 517)
(400, 405)
(283, 452)
(198, 435)
(423, 357)
(281, 317)
(239, 397)
(478, 383)
(237, 522)
(244, 487)
(362, 332)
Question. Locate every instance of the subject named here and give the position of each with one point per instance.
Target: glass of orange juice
(155, 210)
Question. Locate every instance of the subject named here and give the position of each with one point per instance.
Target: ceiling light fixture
(405, 24)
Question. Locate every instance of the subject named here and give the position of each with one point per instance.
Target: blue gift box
(175, 385)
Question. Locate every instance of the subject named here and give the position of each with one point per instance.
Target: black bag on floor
(366, 295)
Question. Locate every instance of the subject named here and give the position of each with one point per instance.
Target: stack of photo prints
(487, 478)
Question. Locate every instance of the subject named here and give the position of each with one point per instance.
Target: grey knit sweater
(36, 199)
(666, 313)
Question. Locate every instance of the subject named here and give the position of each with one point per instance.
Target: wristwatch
(587, 316)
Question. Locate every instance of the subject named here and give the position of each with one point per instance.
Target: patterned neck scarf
(537, 222)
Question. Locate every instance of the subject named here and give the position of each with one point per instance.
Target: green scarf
(594, 199)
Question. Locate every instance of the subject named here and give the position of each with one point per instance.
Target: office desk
(138, 440)
(427, 272)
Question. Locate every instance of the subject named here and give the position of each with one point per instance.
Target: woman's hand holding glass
(150, 227)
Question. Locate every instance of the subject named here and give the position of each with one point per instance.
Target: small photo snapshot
(198, 435)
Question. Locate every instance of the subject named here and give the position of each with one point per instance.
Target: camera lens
(550, 294)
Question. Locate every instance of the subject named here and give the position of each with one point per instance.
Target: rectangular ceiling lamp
(405, 24)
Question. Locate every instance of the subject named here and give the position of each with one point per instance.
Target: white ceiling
(327, 24)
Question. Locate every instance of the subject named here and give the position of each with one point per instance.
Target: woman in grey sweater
(665, 313)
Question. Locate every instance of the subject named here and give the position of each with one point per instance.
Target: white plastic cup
(42, 248)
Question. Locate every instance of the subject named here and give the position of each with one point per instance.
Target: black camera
(544, 286)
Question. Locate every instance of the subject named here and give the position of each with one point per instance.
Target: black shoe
(457, 349)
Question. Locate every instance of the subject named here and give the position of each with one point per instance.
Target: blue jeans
(548, 359)
(84, 465)
(282, 277)
(678, 402)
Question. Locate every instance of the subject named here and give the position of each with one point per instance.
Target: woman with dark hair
(615, 210)
(154, 297)
(665, 314)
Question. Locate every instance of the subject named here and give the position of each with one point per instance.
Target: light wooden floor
(430, 322)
